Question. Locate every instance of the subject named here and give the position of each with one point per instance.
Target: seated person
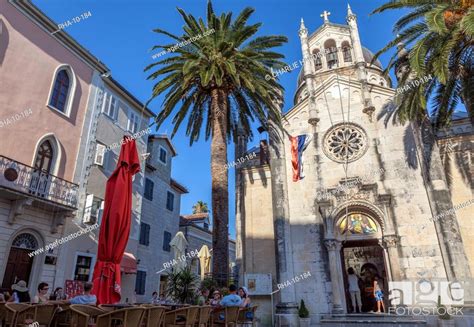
(154, 298)
(244, 295)
(86, 298)
(42, 296)
(203, 299)
(216, 299)
(20, 293)
(230, 300)
(58, 295)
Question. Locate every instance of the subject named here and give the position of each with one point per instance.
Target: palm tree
(220, 81)
(200, 207)
(442, 32)
(443, 35)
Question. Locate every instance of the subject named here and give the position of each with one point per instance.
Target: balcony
(17, 177)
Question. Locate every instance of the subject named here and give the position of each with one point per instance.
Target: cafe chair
(106, 308)
(231, 315)
(128, 317)
(62, 317)
(11, 313)
(3, 313)
(184, 317)
(247, 316)
(204, 316)
(38, 314)
(82, 315)
(153, 316)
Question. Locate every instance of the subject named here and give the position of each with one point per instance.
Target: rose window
(345, 143)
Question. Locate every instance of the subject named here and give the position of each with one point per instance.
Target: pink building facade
(45, 82)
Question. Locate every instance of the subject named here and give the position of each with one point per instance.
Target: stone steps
(379, 320)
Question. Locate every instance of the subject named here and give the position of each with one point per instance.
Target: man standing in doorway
(354, 289)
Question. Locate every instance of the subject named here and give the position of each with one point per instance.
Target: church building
(345, 186)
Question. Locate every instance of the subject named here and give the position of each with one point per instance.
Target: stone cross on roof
(325, 14)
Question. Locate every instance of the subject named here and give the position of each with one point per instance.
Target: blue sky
(119, 33)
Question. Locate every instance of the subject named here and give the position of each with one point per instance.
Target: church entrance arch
(360, 233)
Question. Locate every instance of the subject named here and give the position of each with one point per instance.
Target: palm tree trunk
(220, 190)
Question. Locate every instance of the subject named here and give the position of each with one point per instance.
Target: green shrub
(182, 285)
(303, 311)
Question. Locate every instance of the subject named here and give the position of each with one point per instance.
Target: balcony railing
(19, 177)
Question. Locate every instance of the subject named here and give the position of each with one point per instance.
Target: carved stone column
(334, 246)
(390, 244)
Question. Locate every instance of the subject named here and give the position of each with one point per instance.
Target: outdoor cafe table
(174, 306)
(118, 305)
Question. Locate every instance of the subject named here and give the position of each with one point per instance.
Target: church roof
(368, 56)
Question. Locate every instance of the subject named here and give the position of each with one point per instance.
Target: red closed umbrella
(115, 226)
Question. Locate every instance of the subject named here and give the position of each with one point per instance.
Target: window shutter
(149, 186)
(100, 212)
(140, 282)
(88, 219)
(166, 241)
(99, 154)
(142, 234)
(147, 235)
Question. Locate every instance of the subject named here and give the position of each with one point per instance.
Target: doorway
(366, 257)
(19, 263)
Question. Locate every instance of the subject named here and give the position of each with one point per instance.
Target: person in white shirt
(354, 289)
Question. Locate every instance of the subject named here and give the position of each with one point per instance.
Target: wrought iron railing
(19, 177)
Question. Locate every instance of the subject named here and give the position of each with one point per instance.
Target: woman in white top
(354, 289)
(42, 296)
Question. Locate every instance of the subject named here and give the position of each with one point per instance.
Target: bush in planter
(303, 311)
(182, 285)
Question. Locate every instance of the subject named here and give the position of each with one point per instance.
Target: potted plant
(303, 313)
(182, 285)
(444, 318)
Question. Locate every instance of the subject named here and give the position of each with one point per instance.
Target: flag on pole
(298, 145)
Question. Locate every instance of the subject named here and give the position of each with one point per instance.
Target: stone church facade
(370, 199)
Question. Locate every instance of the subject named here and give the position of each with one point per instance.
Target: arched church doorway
(19, 263)
(360, 234)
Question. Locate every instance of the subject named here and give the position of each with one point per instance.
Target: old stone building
(372, 198)
(198, 232)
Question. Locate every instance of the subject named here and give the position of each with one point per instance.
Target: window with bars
(144, 234)
(140, 282)
(166, 241)
(149, 185)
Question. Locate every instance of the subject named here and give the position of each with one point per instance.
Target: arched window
(60, 92)
(44, 157)
(346, 51)
(25, 241)
(318, 64)
(331, 53)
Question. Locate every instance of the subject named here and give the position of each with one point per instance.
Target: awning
(128, 264)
